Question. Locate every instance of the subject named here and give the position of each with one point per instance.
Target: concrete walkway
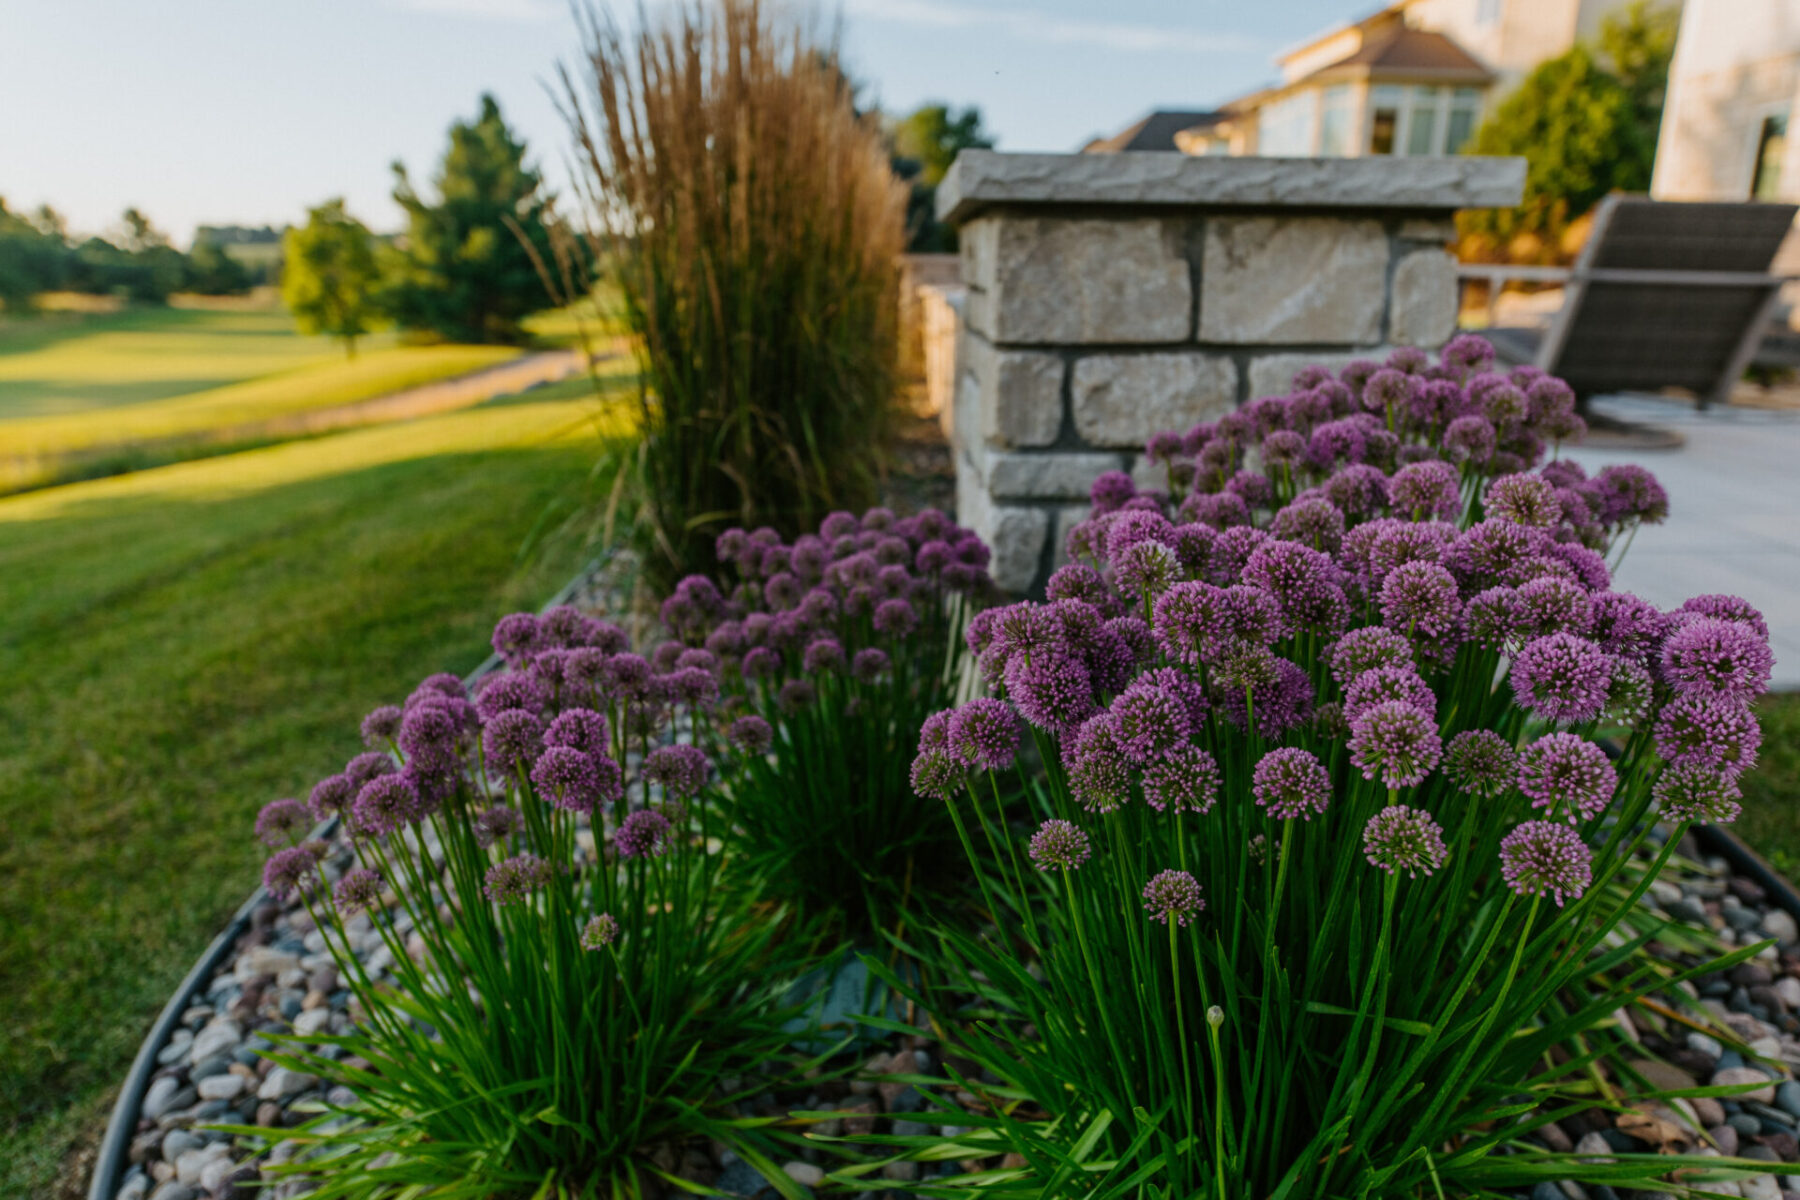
(1734, 513)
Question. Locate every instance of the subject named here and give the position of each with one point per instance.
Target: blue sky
(219, 111)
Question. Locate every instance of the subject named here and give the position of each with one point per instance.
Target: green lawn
(181, 645)
(1771, 820)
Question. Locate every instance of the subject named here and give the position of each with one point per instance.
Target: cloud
(487, 10)
(1022, 23)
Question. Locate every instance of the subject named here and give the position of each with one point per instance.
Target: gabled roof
(1155, 132)
(1412, 50)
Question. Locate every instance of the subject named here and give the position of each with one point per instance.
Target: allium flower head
(1291, 782)
(1099, 776)
(428, 736)
(1149, 721)
(751, 734)
(1173, 897)
(1146, 569)
(1399, 838)
(1052, 690)
(644, 833)
(1717, 658)
(1282, 701)
(282, 822)
(1366, 649)
(496, 824)
(823, 657)
(1470, 439)
(1190, 621)
(1546, 858)
(1481, 763)
(1314, 521)
(796, 695)
(1304, 583)
(895, 618)
(1561, 678)
(1568, 775)
(1182, 779)
(1708, 732)
(600, 932)
(1630, 694)
(359, 889)
(1395, 743)
(384, 804)
(1492, 552)
(681, 770)
(869, 664)
(568, 778)
(1494, 618)
(1381, 684)
(1688, 792)
(512, 880)
(1625, 492)
(1419, 599)
(1467, 354)
(513, 739)
(516, 638)
(288, 871)
(1111, 490)
(937, 775)
(1425, 490)
(331, 796)
(1554, 605)
(1627, 625)
(1524, 500)
(983, 735)
(581, 729)
(381, 726)
(1729, 608)
(1058, 846)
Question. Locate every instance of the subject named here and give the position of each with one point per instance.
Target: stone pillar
(1111, 296)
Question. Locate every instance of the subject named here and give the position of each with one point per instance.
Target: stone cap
(979, 179)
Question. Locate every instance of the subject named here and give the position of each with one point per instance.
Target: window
(1465, 107)
(1334, 122)
(1384, 119)
(1771, 148)
(1286, 127)
(1421, 137)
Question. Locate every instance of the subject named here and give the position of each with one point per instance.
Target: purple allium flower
(751, 734)
(825, 656)
(1058, 846)
(331, 795)
(359, 889)
(680, 769)
(512, 739)
(381, 725)
(1182, 779)
(1627, 625)
(1419, 598)
(1399, 838)
(1481, 763)
(1493, 618)
(1470, 439)
(1492, 552)
(496, 824)
(585, 671)
(1729, 608)
(628, 675)
(730, 544)
(795, 695)
(869, 664)
(1149, 721)
(443, 684)
(1173, 897)
(1546, 858)
(1077, 581)
(936, 774)
(1550, 605)
(839, 524)
(567, 626)
(282, 822)
(1146, 569)
(581, 729)
(1304, 583)
(1625, 493)
(1718, 658)
(1110, 491)
(1394, 544)
(1215, 510)
(1561, 678)
(1688, 792)
(1177, 683)
(508, 691)
(384, 804)
(1190, 621)
(1707, 732)
(1315, 521)
(645, 833)
(1366, 649)
(895, 618)
(878, 519)
(1467, 354)
(1291, 782)
(1130, 528)
(429, 735)
(1395, 743)
(1563, 773)
(1052, 689)
(600, 932)
(1283, 447)
(1630, 694)
(1524, 500)
(1282, 700)
(1359, 490)
(512, 880)
(1229, 552)
(1425, 490)
(983, 735)
(1099, 777)
(516, 638)
(759, 662)
(1255, 489)
(1381, 684)
(567, 778)
(288, 871)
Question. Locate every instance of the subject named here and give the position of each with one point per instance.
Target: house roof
(1155, 132)
(1403, 50)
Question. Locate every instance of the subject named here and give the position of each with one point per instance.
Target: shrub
(832, 651)
(1322, 890)
(750, 219)
(584, 987)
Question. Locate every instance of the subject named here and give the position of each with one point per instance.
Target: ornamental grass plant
(748, 215)
(573, 989)
(1332, 889)
(834, 649)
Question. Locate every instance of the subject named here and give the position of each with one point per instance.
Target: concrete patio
(1734, 519)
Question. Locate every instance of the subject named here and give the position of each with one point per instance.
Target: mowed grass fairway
(75, 385)
(1771, 820)
(181, 645)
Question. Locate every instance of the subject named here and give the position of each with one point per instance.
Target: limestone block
(1292, 279)
(1016, 536)
(1150, 475)
(1422, 311)
(1067, 282)
(1273, 374)
(977, 242)
(1121, 399)
(1013, 476)
(1020, 393)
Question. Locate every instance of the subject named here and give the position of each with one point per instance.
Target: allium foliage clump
(1383, 645)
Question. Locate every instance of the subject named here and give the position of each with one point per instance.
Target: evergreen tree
(465, 272)
(331, 278)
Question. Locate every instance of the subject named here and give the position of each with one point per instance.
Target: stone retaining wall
(1112, 296)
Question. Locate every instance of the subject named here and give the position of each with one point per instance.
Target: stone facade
(1113, 296)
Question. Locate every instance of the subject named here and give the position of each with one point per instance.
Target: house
(1411, 79)
(1155, 132)
(1733, 89)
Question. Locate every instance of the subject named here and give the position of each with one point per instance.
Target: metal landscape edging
(121, 1126)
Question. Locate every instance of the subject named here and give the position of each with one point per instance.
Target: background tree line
(38, 254)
